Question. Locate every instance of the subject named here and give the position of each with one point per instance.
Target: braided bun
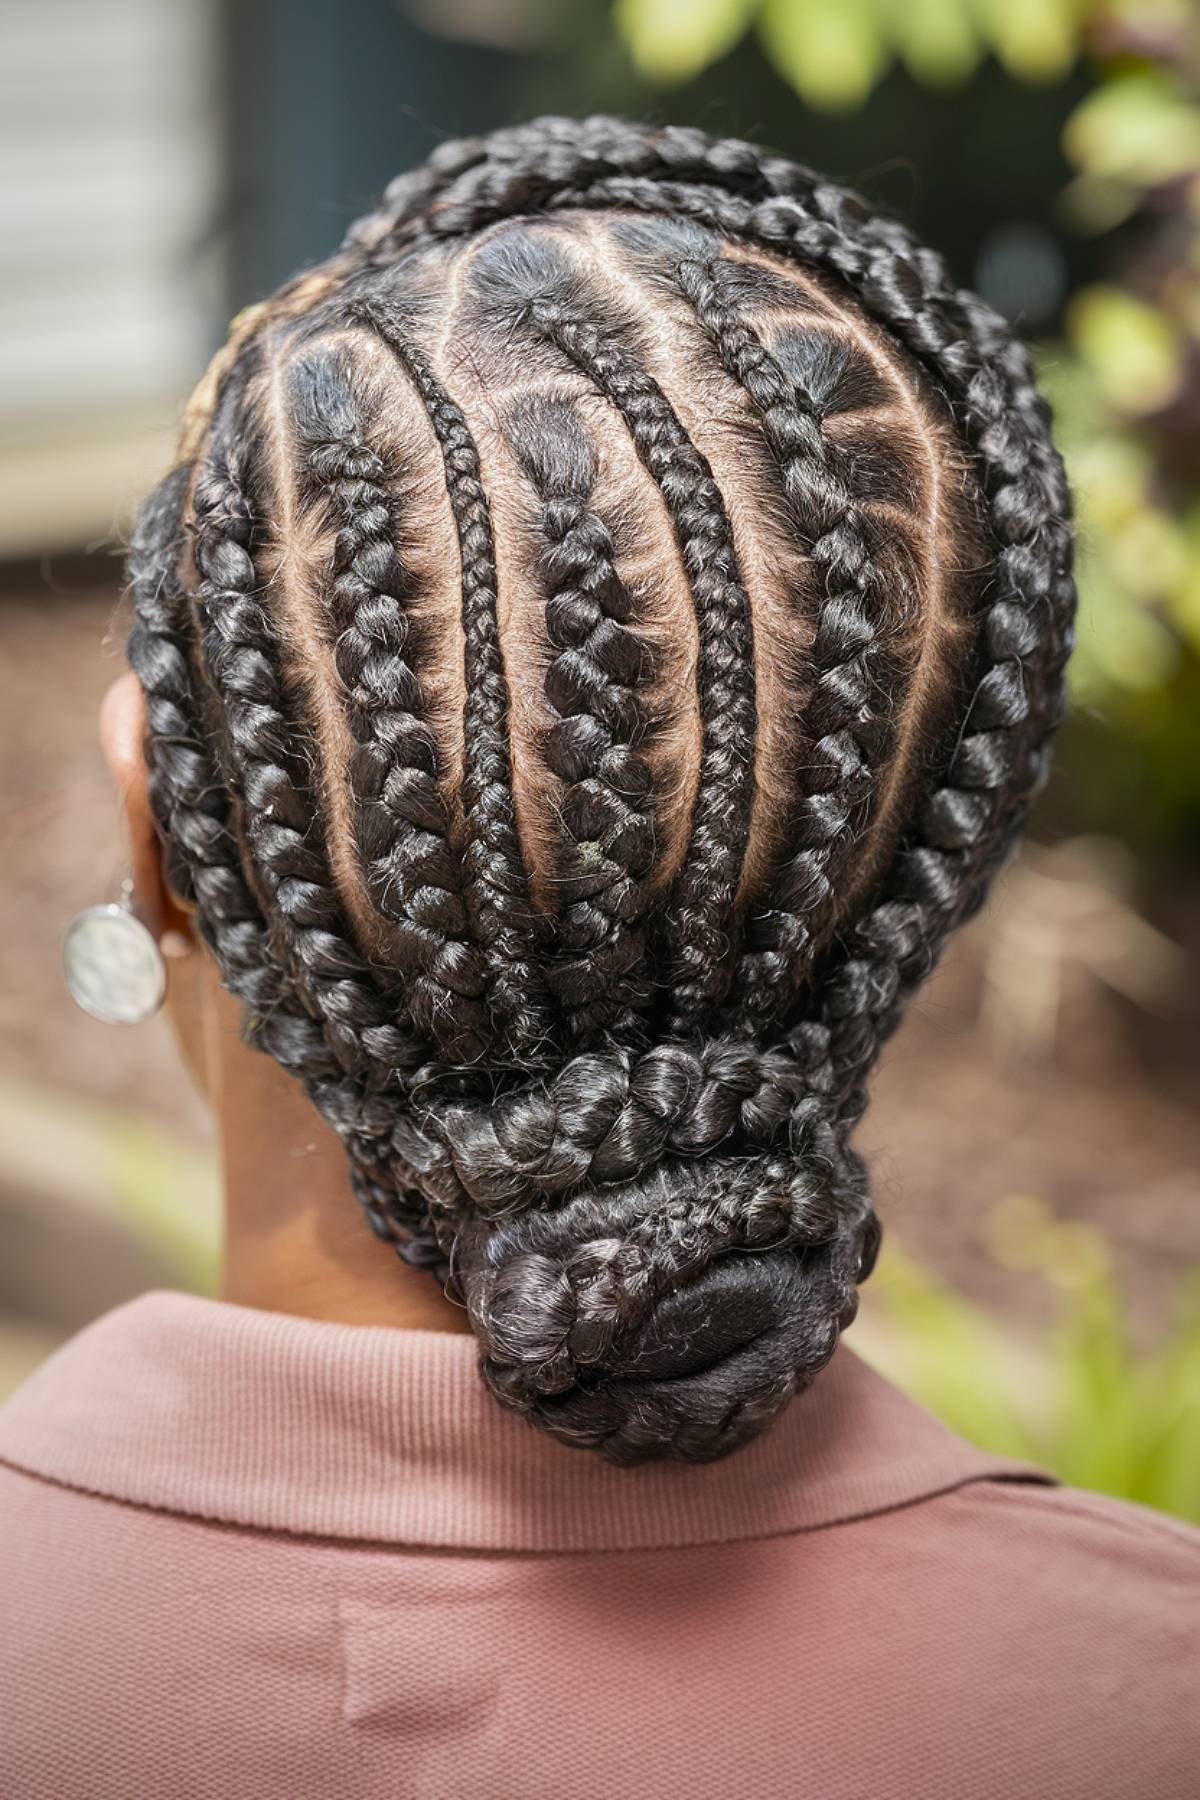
(604, 633)
(624, 1323)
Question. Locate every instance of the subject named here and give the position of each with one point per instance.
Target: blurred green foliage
(131, 1174)
(1122, 360)
(166, 1194)
(833, 52)
(1078, 1399)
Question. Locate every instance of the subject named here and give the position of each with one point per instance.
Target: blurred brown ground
(1104, 1128)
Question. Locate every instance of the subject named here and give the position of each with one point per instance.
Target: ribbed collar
(257, 1419)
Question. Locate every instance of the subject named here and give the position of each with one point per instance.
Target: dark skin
(295, 1241)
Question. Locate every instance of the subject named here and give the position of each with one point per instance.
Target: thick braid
(189, 804)
(592, 685)
(412, 873)
(532, 278)
(964, 833)
(999, 758)
(497, 887)
(191, 807)
(159, 653)
(267, 757)
(610, 1116)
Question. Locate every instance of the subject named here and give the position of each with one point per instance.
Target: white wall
(110, 260)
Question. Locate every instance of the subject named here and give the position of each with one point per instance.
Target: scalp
(888, 440)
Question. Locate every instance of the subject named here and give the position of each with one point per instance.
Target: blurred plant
(1126, 389)
(167, 1194)
(1064, 911)
(69, 1156)
(833, 52)
(1124, 375)
(1126, 392)
(1077, 1399)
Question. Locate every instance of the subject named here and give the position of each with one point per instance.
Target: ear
(122, 734)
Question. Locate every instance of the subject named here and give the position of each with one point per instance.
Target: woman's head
(602, 634)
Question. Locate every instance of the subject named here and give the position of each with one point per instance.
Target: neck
(296, 1241)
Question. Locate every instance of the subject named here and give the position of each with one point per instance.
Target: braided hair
(603, 633)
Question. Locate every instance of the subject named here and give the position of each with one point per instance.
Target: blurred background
(1035, 1138)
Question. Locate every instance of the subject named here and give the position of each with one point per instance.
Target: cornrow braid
(592, 685)
(191, 809)
(733, 188)
(531, 278)
(853, 660)
(412, 872)
(630, 1135)
(497, 890)
(267, 757)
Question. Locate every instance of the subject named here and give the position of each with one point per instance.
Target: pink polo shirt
(244, 1555)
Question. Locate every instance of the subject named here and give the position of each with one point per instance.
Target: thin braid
(853, 660)
(412, 873)
(496, 888)
(592, 685)
(268, 763)
(703, 911)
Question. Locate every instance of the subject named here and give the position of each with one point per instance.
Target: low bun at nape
(606, 1352)
(674, 1313)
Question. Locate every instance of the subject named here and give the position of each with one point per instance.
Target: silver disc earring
(113, 966)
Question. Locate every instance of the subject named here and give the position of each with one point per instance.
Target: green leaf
(673, 40)
(1137, 128)
(1092, 204)
(1036, 40)
(947, 1355)
(831, 54)
(1077, 1398)
(1135, 353)
(1185, 597)
(936, 39)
